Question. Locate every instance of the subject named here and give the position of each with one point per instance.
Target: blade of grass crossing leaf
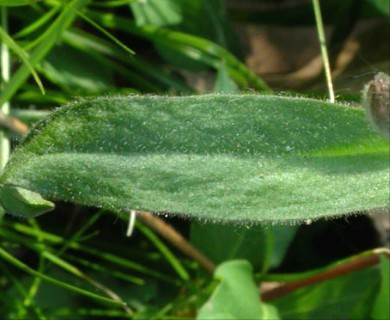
(22, 55)
(48, 41)
(17, 263)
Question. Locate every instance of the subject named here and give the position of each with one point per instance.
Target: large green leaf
(220, 157)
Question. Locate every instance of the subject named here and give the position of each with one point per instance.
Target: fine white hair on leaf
(130, 226)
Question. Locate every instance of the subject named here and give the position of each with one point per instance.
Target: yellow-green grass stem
(324, 51)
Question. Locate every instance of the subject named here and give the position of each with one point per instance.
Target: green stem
(5, 146)
(324, 52)
(5, 75)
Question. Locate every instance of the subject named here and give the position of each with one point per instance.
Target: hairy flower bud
(376, 101)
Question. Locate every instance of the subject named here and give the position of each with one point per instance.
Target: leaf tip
(22, 202)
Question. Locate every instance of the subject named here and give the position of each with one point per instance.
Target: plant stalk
(5, 146)
(324, 51)
(176, 239)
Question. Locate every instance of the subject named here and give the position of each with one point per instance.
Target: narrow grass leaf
(49, 39)
(169, 256)
(37, 24)
(106, 33)
(22, 55)
(7, 257)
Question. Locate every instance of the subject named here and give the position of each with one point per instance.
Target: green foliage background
(76, 262)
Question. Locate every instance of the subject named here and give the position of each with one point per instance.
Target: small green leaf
(19, 201)
(236, 296)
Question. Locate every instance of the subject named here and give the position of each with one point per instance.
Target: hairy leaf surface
(220, 157)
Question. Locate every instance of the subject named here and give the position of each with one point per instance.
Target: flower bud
(376, 101)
